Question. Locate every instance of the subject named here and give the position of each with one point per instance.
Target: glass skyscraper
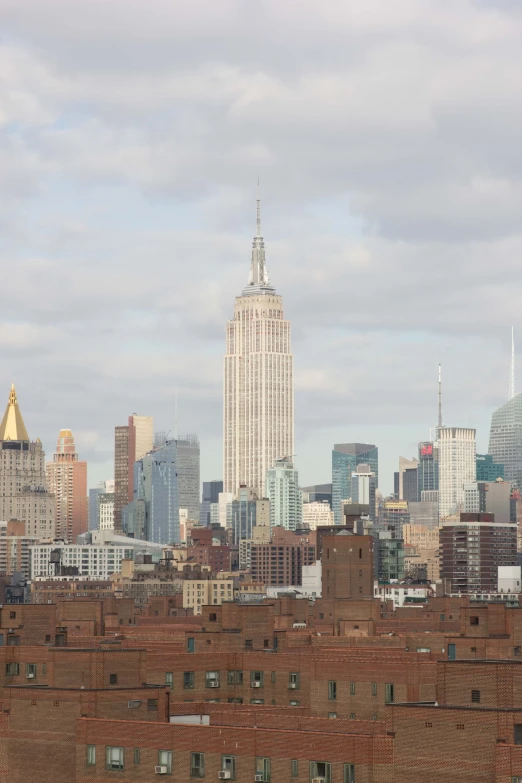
(505, 439)
(345, 459)
(487, 469)
(428, 468)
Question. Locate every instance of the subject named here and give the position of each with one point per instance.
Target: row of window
(13, 669)
(115, 760)
(388, 690)
(234, 677)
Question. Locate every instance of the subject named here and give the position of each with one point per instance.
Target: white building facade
(286, 499)
(457, 467)
(317, 514)
(258, 416)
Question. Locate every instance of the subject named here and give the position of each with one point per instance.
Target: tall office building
(188, 456)
(407, 465)
(286, 499)
(245, 512)
(131, 442)
(345, 459)
(67, 480)
(363, 486)
(457, 466)
(103, 494)
(487, 469)
(153, 515)
(258, 416)
(505, 439)
(23, 489)
(428, 468)
(318, 493)
(209, 499)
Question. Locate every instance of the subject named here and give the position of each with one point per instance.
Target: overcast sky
(387, 138)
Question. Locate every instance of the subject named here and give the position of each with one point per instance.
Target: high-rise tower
(505, 435)
(67, 480)
(258, 415)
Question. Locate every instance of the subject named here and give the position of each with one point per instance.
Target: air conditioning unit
(317, 780)
(258, 778)
(224, 774)
(10, 630)
(214, 684)
(293, 685)
(29, 676)
(160, 770)
(256, 685)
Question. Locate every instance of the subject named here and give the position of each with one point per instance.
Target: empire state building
(258, 416)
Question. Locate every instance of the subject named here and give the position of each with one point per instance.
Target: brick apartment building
(281, 561)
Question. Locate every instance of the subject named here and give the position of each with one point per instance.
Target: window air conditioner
(256, 685)
(317, 780)
(160, 770)
(29, 676)
(293, 685)
(214, 684)
(258, 778)
(224, 774)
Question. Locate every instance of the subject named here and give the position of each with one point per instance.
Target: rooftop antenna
(512, 368)
(258, 221)
(440, 425)
(176, 414)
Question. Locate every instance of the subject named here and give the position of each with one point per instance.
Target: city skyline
(127, 209)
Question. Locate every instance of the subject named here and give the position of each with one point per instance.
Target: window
(332, 690)
(12, 668)
(228, 764)
(332, 715)
(295, 768)
(273, 677)
(30, 670)
(44, 668)
(293, 703)
(169, 679)
(165, 760)
(388, 693)
(113, 679)
(352, 689)
(235, 678)
(212, 679)
(294, 680)
(256, 679)
(475, 696)
(152, 705)
(517, 728)
(212, 617)
(249, 644)
(134, 704)
(374, 689)
(197, 765)
(235, 701)
(12, 615)
(113, 757)
(191, 644)
(349, 773)
(352, 715)
(136, 755)
(517, 650)
(188, 680)
(257, 701)
(263, 768)
(473, 620)
(91, 755)
(321, 769)
(374, 717)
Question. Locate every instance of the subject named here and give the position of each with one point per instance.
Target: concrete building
(509, 579)
(105, 489)
(424, 512)
(427, 468)
(317, 514)
(284, 495)
(491, 497)
(131, 442)
(421, 536)
(213, 592)
(457, 466)
(258, 418)
(317, 493)
(363, 488)
(246, 512)
(505, 439)
(388, 555)
(36, 509)
(15, 549)
(345, 459)
(408, 474)
(472, 549)
(67, 481)
(154, 513)
(188, 462)
(487, 469)
(393, 515)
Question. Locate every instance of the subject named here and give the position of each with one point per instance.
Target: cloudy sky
(387, 139)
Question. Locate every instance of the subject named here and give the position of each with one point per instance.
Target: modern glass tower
(345, 459)
(505, 439)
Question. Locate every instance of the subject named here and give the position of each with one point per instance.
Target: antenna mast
(512, 368)
(439, 420)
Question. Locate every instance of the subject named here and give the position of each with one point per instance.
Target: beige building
(67, 481)
(457, 466)
(15, 555)
(421, 536)
(197, 594)
(258, 416)
(404, 465)
(317, 514)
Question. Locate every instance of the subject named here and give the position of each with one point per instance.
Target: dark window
(388, 693)
(113, 679)
(188, 680)
(473, 620)
(249, 644)
(12, 615)
(212, 618)
(295, 768)
(517, 728)
(332, 690)
(475, 696)
(152, 705)
(452, 652)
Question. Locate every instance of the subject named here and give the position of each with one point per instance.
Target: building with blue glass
(345, 459)
(487, 469)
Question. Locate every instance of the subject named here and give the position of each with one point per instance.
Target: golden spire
(12, 426)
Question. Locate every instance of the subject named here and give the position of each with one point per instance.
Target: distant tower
(440, 425)
(258, 393)
(67, 479)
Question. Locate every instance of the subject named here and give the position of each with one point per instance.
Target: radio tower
(440, 425)
(512, 367)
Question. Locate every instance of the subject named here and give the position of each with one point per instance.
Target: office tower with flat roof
(258, 394)
(505, 439)
(131, 441)
(317, 493)
(345, 459)
(245, 512)
(188, 461)
(457, 467)
(67, 480)
(488, 469)
(282, 490)
(209, 498)
(428, 468)
(363, 487)
(406, 465)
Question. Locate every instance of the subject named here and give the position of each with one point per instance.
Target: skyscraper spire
(258, 280)
(512, 367)
(440, 425)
